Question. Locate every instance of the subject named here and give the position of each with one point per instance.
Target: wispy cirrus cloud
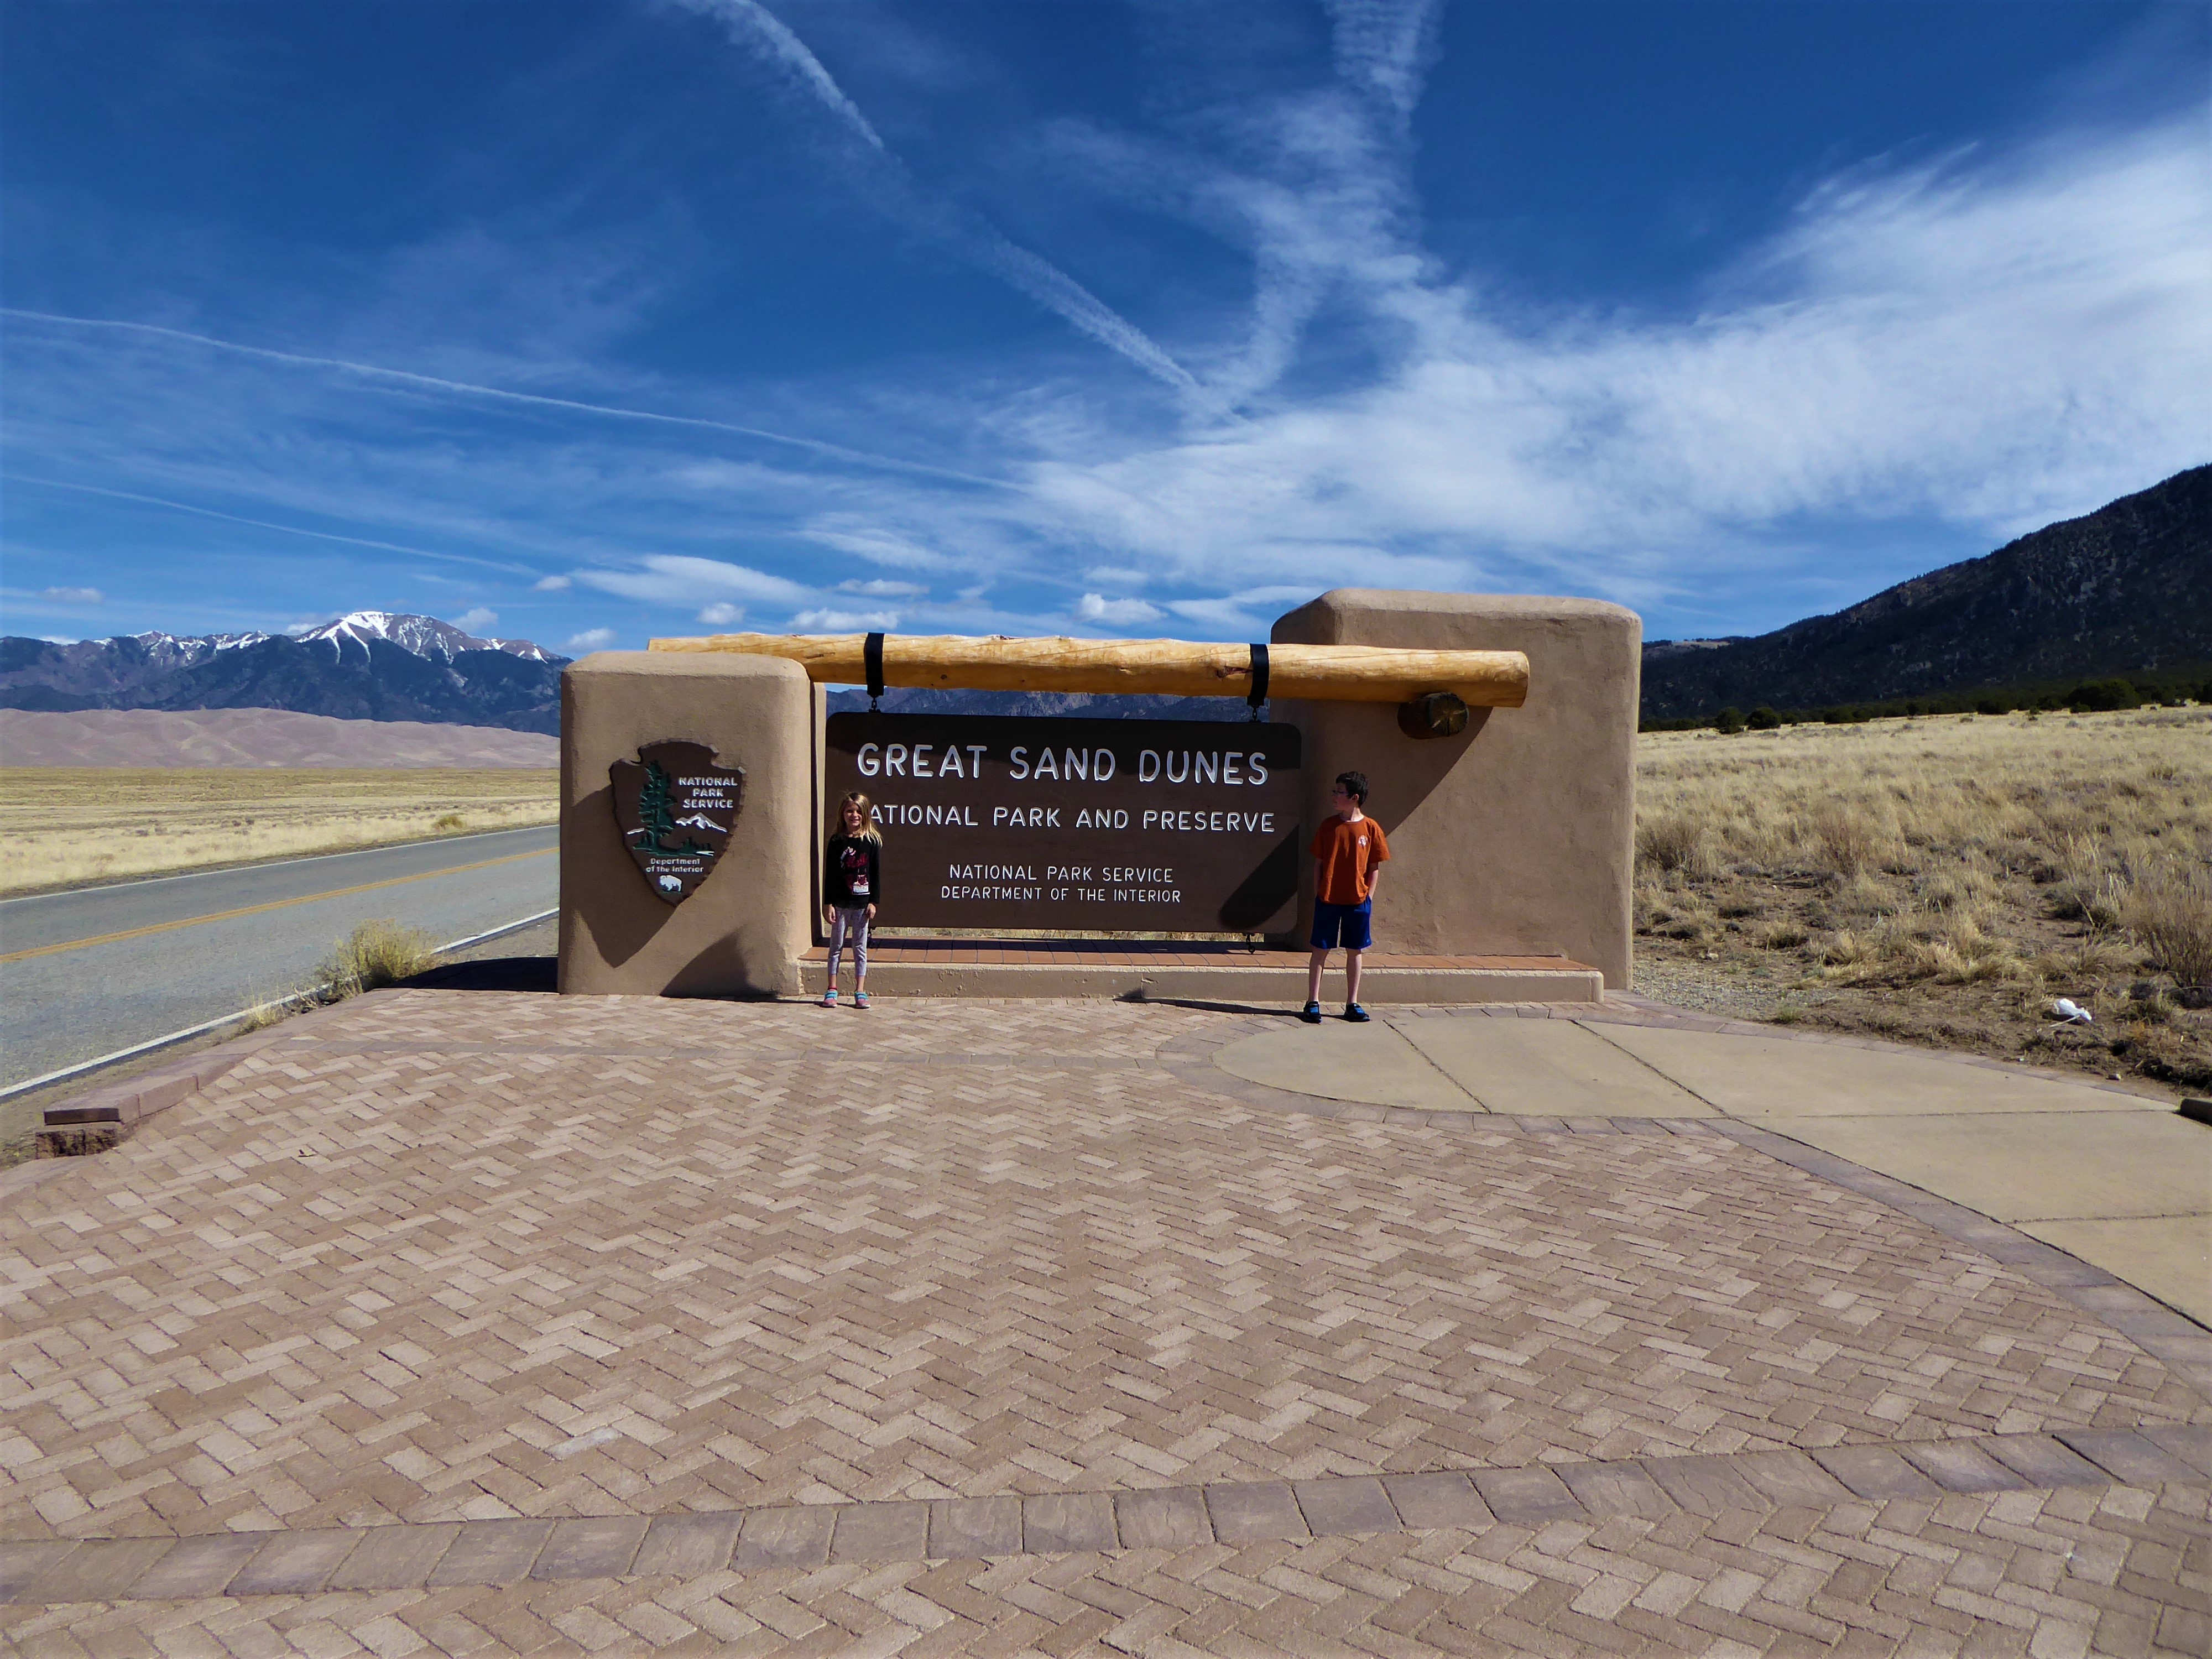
(1116, 613)
(680, 579)
(828, 619)
(1987, 339)
(1990, 338)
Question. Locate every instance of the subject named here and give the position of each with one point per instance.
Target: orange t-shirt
(1348, 854)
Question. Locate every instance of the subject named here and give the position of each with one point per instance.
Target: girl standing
(851, 877)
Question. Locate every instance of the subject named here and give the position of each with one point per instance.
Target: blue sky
(590, 322)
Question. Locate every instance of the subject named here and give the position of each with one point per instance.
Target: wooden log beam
(1174, 668)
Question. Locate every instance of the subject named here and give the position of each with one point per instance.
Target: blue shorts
(1347, 925)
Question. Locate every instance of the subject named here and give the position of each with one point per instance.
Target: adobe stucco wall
(744, 931)
(1519, 835)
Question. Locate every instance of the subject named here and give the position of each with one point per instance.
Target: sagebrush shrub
(376, 954)
(1847, 835)
(2169, 910)
(1675, 840)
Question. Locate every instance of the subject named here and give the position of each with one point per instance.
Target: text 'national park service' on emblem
(676, 806)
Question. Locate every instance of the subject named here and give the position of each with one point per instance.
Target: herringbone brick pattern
(2120, 1571)
(464, 1257)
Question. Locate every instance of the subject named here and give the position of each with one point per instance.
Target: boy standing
(1348, 852)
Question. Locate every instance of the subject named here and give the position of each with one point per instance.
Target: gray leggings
(852, 920)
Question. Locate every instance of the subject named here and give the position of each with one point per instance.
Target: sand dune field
(257, 736)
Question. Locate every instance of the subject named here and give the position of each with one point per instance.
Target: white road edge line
(84, 1066)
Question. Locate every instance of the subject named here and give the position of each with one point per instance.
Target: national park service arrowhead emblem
(676, 806)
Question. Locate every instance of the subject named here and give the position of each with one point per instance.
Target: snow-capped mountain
(425, 636)
(368, 664)
(182, 651)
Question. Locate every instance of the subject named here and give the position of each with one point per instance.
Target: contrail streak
(984, 245)
(790, 52)
(264, 523)
(1056, 291)
(431, 382)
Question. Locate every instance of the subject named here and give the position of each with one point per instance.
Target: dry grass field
(1942, 880)
(66, 826)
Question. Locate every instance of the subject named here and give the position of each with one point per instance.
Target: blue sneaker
(1311, 1014)
(1355, 1013)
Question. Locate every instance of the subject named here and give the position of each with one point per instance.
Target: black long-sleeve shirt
(851, 875)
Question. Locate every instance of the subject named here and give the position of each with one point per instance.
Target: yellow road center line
(259, 909)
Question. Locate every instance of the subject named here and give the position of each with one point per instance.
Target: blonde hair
(870, 829)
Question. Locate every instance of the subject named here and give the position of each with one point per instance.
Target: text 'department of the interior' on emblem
(1087, 826)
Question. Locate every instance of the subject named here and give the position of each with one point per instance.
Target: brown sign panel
(675, 807)
(1077, 825)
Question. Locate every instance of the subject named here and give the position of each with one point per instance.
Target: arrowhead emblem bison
(676, 805)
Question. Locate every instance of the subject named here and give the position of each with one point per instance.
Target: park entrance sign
(1091, 826)
(1498, 732)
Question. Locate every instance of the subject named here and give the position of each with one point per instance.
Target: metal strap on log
(1173, 668)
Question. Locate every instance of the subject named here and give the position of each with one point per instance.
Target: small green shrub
(1763, 719)
(1729, 721)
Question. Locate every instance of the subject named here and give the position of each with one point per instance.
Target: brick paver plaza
(475, 1323)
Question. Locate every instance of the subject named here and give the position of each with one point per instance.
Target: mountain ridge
(2124, 590)
(379, 665)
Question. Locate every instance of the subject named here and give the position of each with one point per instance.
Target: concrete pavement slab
(973, 1529)
(2169, 1256)
(1527, 1496)
(1359, 1505)
(1437, 1500)
(389, 1557)
(1547, 1067)
(1614, 1489)
(1777, 1076)
(689, 1546)
(197, 1566)
(1245, 1512)
(103, 1572)
(21, 1561)
(1055, 1523)
(1372, 1064)
(1172, 1519)
(2036, 1166)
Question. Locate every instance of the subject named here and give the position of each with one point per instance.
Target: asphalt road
(85, 973)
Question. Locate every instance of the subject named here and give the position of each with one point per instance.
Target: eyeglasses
(1346, 793)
